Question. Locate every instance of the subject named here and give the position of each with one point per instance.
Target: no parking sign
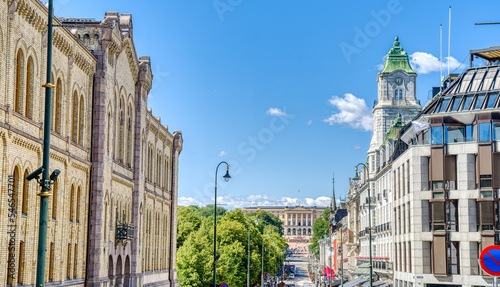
(490, 260)
(224, 285)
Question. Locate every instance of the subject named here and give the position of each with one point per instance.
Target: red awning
(330, 273)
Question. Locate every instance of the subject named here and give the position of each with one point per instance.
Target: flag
(299, 190)
(420, 126)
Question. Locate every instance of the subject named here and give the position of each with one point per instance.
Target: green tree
(320, 229)
(195, 258)
(267, 219)
(187, 221)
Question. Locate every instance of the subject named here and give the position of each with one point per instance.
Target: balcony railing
(124, 231)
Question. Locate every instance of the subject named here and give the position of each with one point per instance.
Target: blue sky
(283, 90)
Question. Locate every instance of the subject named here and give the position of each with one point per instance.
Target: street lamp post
(248, 257)
(356, 177)
(341, 257)
(226, 178)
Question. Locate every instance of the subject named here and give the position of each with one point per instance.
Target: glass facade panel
(454, 134)
(444, 105)
(492, 99)
(477, 80)
(484, 132)
(496, 131)
(456, 103)
(469, 137)
(489, 78)
(437, 135)
(467, 102)
(479, 101)
(465, 82)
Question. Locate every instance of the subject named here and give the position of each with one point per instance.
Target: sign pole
(495, 282)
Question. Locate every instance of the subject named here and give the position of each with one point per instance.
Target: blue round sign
(490, 260)
(224, 285)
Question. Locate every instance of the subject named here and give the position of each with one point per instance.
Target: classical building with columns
(113, 209)
(297, 220)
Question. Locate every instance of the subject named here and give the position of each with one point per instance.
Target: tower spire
(334, 203)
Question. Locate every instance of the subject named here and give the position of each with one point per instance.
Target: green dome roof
(397, 59)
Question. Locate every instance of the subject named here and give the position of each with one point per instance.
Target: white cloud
(380, 67)
(309, 122)
(186, 201)
(352, 111)
(356, 147)
(425, 63)
(222, 153)
(275, 112)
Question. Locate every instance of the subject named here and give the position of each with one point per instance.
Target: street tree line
(320, 230)
(195, 238)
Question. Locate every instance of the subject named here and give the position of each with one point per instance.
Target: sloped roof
(397, 59)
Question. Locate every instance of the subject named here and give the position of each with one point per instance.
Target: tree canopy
(195, 245)
(320, 230)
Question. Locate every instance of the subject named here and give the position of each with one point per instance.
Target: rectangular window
(469, 137)
(444, 105)
(492, 99)
(496, 131)
(485, 215)
(452, 215)
(484, 132)
(438, 215)
(437, 135)
(454, 134)
(456, 103)
(467, 102)
(479, 101)
(485, 181)
(452, 253)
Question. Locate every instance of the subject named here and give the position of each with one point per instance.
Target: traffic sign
(224, 285)
(490, 260)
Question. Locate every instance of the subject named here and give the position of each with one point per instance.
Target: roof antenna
(449, 41)
(441, 56)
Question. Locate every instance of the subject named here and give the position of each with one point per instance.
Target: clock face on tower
(398, 81)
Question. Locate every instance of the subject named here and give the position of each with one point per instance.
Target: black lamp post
(356, 177)
(226, 178)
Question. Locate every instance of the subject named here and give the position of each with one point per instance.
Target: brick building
(112, 215)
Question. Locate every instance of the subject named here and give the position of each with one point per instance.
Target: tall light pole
(47, 180)
(341, 256)
(356, 177)
(226, 178)
(262, 257)
(248, 256)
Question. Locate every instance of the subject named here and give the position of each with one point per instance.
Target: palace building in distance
(297, 220)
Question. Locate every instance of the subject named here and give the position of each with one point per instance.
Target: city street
(301, 277)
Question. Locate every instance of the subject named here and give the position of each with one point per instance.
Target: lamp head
(227, 176)
(256, 221)
(356, 177)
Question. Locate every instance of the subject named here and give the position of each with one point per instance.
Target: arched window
(78, 198)
(75, 262)
(19, 81)
(121, 138)
(20, 268)
(30, 80)
(54, 200)
(109, 132)
(130, 143)
(24, 203)
(57, 107)
(51, 262)
(74, 119)
(16, 187)
(81, 118)
(68, 262)
(398, 94)
(86, 39)
(71, 202)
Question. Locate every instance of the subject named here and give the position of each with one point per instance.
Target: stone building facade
(439, 179)
(118, 162)
(297, 221)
